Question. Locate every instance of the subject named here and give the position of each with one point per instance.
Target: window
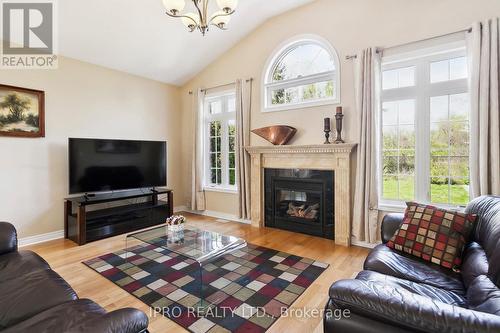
(304, 72)
(220, 141)
(425, 127)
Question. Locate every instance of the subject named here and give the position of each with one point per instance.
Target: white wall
(82, 100)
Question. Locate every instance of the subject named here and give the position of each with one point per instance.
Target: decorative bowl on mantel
(278, 135)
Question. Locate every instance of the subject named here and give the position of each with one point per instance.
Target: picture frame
(22, 112)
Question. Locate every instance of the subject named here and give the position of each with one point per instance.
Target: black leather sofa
(34, 298)
(399, 293)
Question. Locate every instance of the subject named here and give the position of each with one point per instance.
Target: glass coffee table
(199, 245)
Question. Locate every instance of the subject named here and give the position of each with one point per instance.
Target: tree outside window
(220, 142)
(425, 129)
(303, 73)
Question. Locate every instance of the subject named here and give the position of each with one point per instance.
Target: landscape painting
(22, 112)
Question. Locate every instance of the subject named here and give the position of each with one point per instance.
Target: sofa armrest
(8, 238)
(127, 320)
(405, 309)
(390, 224)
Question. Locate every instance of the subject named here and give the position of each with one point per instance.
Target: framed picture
(22, 112)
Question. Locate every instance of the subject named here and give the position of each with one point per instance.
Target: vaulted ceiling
(136, 36)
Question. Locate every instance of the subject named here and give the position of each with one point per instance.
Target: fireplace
(300, 200)
(334, 158)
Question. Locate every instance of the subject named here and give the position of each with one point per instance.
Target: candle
(339, 110)
(327, 124)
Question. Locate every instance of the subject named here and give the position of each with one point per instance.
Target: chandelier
(200, 19)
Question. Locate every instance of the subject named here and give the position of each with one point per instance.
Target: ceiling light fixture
(200, 19)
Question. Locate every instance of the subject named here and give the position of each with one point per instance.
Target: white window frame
(268, 85)
(224, 117)
(421, 92)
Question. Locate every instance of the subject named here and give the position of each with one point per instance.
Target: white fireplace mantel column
(336, 157)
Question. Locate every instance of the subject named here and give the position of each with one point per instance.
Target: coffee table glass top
(200, 245)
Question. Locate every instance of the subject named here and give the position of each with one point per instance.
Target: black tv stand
(82, 225)
(87, 196)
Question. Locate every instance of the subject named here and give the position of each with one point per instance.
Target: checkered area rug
(247, 290)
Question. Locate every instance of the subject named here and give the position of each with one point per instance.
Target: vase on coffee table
(175, 233)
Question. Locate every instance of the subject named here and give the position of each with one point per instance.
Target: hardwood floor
(65, 257)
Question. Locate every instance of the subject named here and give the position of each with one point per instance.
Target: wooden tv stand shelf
(83, 225)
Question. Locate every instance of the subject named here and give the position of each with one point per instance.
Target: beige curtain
(197, 192)
(243, 109)
(484, 58)
(365, 214)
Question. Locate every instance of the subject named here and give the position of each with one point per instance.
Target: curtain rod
(220, 86)
(468, 30)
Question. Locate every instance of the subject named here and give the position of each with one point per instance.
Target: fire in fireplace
(300, 200)
(309, 212)
(298, 204)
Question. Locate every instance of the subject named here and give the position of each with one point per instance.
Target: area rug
(248, 290)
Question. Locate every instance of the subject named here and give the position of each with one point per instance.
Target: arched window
(303, 72)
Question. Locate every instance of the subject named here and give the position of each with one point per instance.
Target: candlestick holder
(338, 118)
(327, 137)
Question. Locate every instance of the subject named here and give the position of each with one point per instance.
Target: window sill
(392, 208)
(401, 208)
(221, 190)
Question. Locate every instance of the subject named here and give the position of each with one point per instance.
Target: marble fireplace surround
(336, 157)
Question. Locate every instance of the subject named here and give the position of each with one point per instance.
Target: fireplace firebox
(300, 200)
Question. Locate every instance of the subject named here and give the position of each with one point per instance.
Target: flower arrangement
(176, 223)
(176, 220)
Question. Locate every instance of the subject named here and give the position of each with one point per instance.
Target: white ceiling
(136, 36)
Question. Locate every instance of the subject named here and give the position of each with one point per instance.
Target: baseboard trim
(224, 216)
(214, 214)
(31, 240)
(180, 209)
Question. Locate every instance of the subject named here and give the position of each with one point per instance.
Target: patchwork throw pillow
(433, 234)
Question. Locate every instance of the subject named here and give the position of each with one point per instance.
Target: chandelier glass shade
(201, 19)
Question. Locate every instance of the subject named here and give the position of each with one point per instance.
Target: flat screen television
(99, 165)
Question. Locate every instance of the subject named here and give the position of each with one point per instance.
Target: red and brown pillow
(433, 234)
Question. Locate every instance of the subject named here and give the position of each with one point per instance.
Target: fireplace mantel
(310, 149)
(336, 157)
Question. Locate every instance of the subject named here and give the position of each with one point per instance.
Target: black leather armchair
(8, 238)
(34, 298)
(399, 293)
(390, 224)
